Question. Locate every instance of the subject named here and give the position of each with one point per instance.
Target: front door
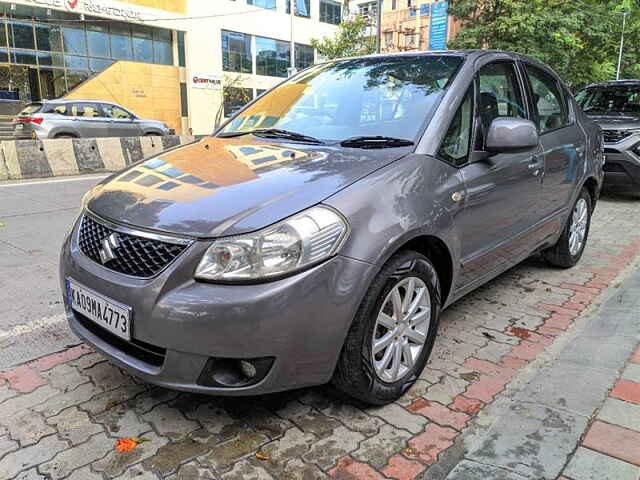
(563, 145)
(501, 192)
(121, 122)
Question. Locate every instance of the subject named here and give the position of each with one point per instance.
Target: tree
(350, 40)
(578, 39)
(231, 93)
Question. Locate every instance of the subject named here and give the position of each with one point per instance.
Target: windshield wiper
(376, 141)
(272, 133)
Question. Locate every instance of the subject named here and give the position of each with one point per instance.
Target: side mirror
(507, 134)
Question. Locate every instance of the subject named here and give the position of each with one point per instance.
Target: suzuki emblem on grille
(109, 245)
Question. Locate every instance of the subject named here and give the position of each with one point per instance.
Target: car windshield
(337, 100)
(618, 100)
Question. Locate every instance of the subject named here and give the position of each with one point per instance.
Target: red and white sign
(210, 82)
(97, 7)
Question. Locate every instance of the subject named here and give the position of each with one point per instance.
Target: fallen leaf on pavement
(262, 456)
(129, 444)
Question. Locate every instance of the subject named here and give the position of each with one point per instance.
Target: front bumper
(622, 166)
(180, 325)
(621, 171)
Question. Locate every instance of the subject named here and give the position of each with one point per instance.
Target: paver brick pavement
(486, 341)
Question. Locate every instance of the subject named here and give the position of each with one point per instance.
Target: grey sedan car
(82, 119)
(319, 233)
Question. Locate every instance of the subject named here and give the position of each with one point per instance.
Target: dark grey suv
(320, 232)
(82, 119)
(615, 106)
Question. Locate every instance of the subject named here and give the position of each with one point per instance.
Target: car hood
(616, 122)
(227, 186)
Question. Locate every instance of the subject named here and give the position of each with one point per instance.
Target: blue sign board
(439, 25)
(424, 9)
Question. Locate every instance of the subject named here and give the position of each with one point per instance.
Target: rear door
(502, 191)
(563, 144)
(121, 122)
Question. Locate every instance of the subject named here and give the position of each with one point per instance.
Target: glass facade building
(46, 53)
(272, 57)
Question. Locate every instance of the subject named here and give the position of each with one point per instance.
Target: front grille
(615, 136)
(133, 255)
(145, 352)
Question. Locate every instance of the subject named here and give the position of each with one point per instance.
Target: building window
(304, 56)
(394, 4)
(411, 40)
(388, 39)
(98, 41)
(273, 57)
(47, 38)
(236, 52)
(182, 56)
(121, 42)
(303, 8)
(21, 34)
(142, 43)
(163, 47)
(267, 4)
(368, 10)
(330, 12)
(74, 41)
(235, 98)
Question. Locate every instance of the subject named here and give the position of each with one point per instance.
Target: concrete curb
(22, 159)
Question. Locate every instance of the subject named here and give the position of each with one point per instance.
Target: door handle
(536, 165)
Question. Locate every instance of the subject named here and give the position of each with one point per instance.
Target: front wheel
(570, 246)
(393, 332)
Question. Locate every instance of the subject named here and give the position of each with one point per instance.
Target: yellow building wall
(148, 90)
(176, 6)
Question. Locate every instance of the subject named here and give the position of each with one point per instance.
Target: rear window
(57, 108)
(30, 109)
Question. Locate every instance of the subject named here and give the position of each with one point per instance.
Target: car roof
(470, 53)
(615, 83)
(64, 101)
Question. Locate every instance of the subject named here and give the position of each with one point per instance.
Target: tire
(356, 373)
(564, 254)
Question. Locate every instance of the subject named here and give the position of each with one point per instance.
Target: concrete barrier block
(131, 149)
(32, 159)
(151, 146)
(111, 153)
(61, 156)
(87, 155)
(10, 158)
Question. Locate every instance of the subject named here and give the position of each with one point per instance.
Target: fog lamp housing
(234, 372)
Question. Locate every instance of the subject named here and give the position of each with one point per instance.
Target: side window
(111, 111)
(86, 110)
(456, 144)
(500, 94)
(548, 105)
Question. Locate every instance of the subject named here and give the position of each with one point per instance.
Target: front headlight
(299, 241)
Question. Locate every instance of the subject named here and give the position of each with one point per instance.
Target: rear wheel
(393, 332)
(568, 250)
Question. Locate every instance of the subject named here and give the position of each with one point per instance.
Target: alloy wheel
(578, 227)
(401, 329)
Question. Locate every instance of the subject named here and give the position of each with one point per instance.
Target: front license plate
(19, 126)
(107, 313)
